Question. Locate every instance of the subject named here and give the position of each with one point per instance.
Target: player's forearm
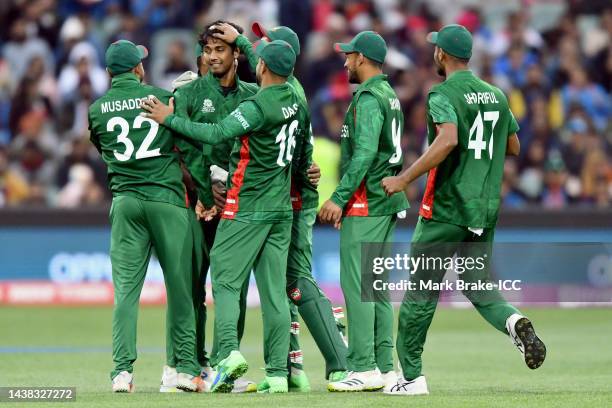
(439, 150)
(245, 46)
(352, 178)
(201, 177)
(201, 132)
(514, 146)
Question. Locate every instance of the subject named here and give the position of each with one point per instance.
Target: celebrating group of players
(219, 175)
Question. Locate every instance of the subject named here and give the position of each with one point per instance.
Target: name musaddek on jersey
(121, 105)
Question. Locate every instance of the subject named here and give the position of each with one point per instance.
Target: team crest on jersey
(207, 106)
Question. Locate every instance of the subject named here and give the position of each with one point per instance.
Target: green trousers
(203, 239)
(238, 248)
(439, 239)
(370, 324)
(138, 227)
(307, 298)
(199, 269)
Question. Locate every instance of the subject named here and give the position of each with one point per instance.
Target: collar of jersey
(461, 73)
(211, 79)
(366, 84)
(125, 79)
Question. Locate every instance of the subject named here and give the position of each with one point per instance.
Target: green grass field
(467, 363)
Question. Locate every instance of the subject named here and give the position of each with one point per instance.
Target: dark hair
(208, 32)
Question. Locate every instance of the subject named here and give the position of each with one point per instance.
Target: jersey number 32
(143, 151)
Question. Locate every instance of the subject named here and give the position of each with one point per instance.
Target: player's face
(438, 57)
(351, 67)
(219, 56)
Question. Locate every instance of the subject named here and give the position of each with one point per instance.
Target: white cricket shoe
(168, 380)
(358, 381)
(418, 386)
(208, 374)
(390, 379)
(242, 385)
(524, 337)
(190, 383)
(123, 382)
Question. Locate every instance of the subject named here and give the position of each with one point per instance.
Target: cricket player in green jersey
(470, 129)
(208, 99)
(148, 212)
(303, 291)
(371, 149)
(256, 227)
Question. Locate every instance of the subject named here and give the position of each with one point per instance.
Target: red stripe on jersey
(231, 202)
(428, 198)
(358, 204)
(296, 197)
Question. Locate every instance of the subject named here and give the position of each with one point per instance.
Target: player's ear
(236, 53)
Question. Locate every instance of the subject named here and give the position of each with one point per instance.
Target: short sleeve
(514, 126)
(440, 109)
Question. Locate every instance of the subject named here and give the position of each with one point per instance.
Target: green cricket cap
(278, 33)
(123, 55)
(278, 56)
(368, 43)
(454, 39)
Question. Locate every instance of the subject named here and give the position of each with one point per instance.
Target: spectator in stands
(590, 96)
(13, 188)
(83, 64)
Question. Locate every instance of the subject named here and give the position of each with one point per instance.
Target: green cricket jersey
(371, 150)
(137, 151)
(265, 128)
(204, 100)
(303, 194)
(465, 188)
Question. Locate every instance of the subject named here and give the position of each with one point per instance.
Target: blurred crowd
(552, 59)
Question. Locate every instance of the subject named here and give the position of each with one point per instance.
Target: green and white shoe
(228, 370)
(273, 385)
(337, 376)
(298, 381)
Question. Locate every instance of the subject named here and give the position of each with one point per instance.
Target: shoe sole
(226, 385)
(535, 350)
(369, 389)
(165, 388)
(128, 390)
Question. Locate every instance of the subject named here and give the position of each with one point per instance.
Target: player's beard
(352, 76)
(439, 68)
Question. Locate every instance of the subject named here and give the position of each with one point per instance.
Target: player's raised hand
(392, 185)
(314, 174)
(331, 213)
(156, 110)
(227, 32)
